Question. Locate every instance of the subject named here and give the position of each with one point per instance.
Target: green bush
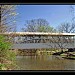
(4, 46)
(2, 66)
(6, 55)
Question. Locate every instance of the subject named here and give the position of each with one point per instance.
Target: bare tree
(7, 17)
(66, 28)
(38, 25)
(72, 11)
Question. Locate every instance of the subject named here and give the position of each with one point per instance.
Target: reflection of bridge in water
(40, 40)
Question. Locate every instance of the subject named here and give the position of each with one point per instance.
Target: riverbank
(68, 55)
(34, 52)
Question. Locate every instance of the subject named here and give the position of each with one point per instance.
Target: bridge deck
(42, 45)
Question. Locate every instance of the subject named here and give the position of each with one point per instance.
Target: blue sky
(54, 14)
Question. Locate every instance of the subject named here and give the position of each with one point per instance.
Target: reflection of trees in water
(44, 62)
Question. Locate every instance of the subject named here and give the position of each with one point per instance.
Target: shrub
(6, 55)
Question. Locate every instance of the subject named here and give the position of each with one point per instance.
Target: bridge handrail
(37, 33)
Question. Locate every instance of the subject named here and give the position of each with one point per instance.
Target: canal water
(44, 62)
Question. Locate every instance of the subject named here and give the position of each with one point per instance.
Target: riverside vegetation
(7, 56)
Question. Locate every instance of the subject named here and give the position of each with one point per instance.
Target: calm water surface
(44, 62)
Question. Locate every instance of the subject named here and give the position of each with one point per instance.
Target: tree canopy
(38, 25)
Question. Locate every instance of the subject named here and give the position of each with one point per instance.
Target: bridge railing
(41, 39)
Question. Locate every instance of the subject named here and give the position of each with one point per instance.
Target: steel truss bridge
(41, 40)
